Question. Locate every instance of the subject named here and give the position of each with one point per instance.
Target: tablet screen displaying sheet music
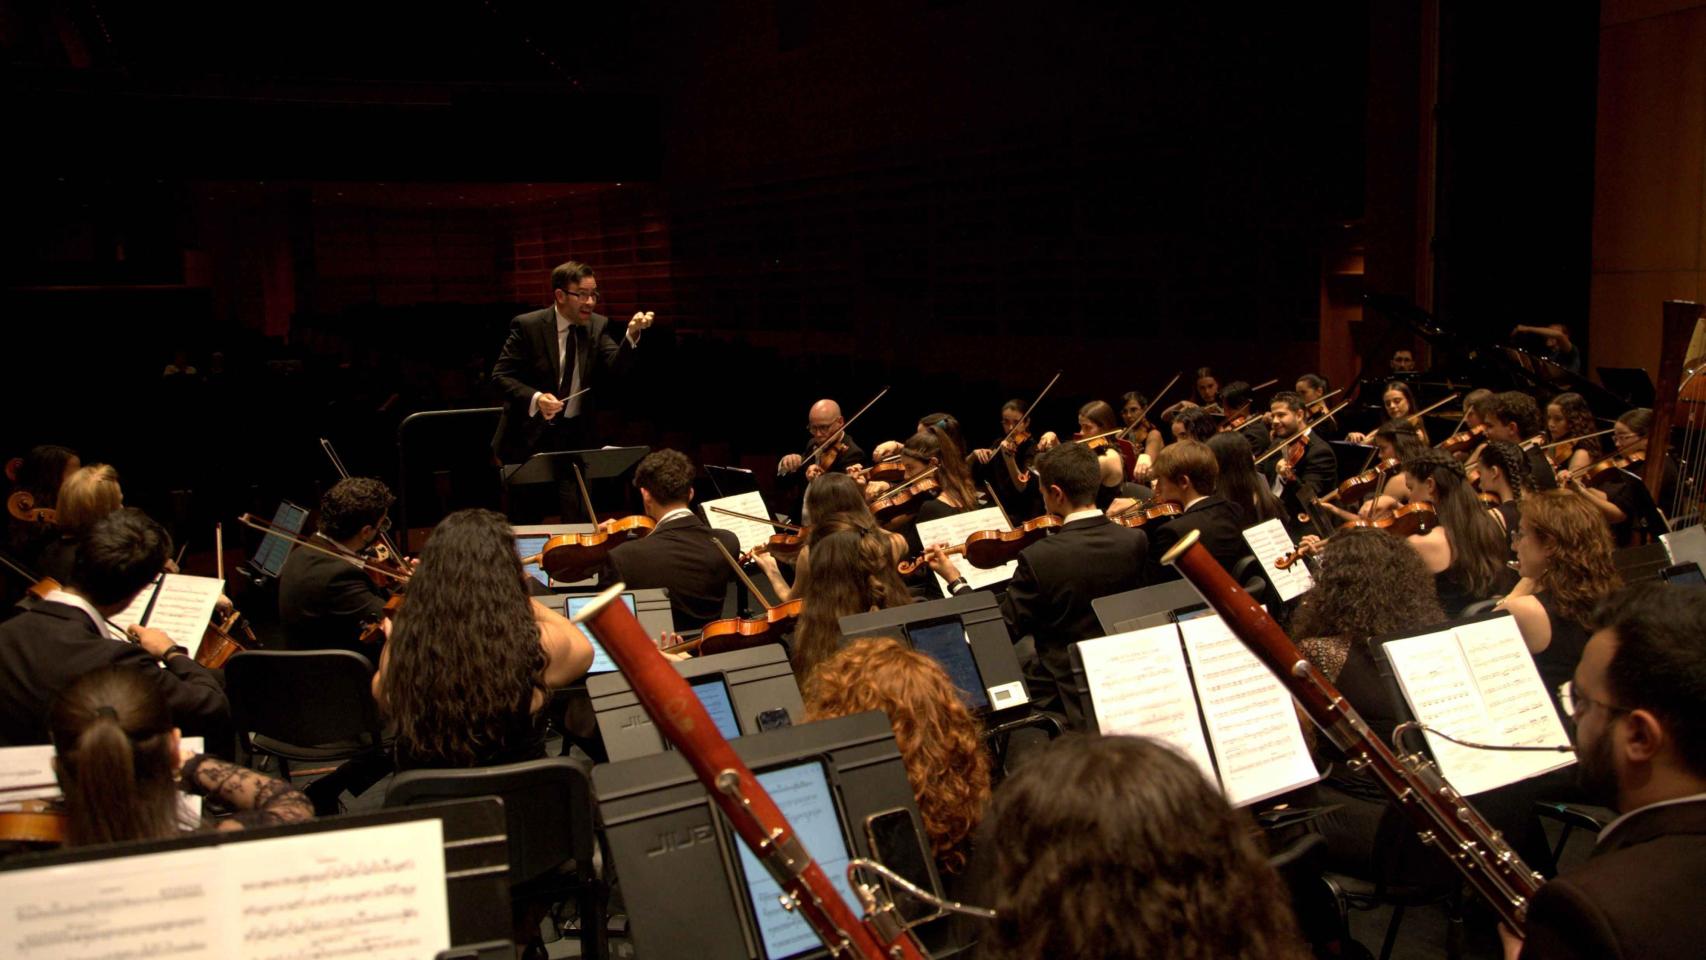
(1477, 681)
(802, 793)
(601, 662)
(1195, 686)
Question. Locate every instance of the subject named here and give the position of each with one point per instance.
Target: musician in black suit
(1641, 748)
(1317, 472)
(324, 602)
(678, 555)
(1236, 399)
(1516, 417)
(1090, 556)
(57, 639)
(552, 355)
(1186, 474)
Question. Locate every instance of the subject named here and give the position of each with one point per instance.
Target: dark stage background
(333, 210)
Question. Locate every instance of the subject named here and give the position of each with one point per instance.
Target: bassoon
(1442, 817)
(755, 818)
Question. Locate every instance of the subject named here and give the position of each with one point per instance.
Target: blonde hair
(89, 494)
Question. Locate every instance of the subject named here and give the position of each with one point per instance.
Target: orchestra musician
(1191, 422)
(88, 494)
(1145, 436)
(1253, 427)
(324, 602)
(1006, 467)
(678, 554)
(1403, 360)
(1113, 461)
(1399, 400)
(1312, 387)
(1556, 345)
(1307, 468)
(1207, 389)
(823, 422)
(1186, 473)
(1240, 484)
(850, 569)
(1503, 472)
(1568, 415)
(550, 356)
(1395, 441)
(69, 632)
(1090, 556)
(1619, 492)
(38, 475)
(1466, 551)
(1516, 417)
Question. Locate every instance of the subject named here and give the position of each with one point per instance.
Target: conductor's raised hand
(641, 322)
(549, 405)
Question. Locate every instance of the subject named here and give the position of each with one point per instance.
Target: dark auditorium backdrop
(333, 214)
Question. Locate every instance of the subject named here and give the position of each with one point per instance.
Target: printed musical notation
(178, 603)
(954, 530)
(750, 533)
(369, 892)
(1268, 542)
(1139, 686)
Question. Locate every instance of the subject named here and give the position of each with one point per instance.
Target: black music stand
(557, 468)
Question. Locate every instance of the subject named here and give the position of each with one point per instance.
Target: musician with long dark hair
(851, 570)
(118, 762)
(1239, 483)
(472, 658)
(1466, 551)
(1504, 473)
(1117, 848)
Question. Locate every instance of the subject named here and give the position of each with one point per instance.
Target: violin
(1595, 474)
(736, 633)
(35, 825)
(373, 631)
(1144, 512)
(1359, 486)
(782, 546)
(1234, 423)
(987, 549)
(1408, 520)
(22, 507)
(574, 556)
(1463, 442)
(826, 455)
(889, 471)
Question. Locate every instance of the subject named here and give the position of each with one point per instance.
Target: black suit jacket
(1318, 470)
(48, 645)
(323, 603)
(1255, 432)
(1220, 528)
(1636, 897)
(1050, 593)
(679, 557)
(528, 364)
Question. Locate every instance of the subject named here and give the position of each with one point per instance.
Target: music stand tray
(558, 466)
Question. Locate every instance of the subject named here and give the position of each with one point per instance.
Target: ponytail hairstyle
(115, 757)
(1513, 463)
(1478, 546)
(947, 423)
(935, 447)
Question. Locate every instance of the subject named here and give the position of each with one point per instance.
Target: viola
(736, 633)
(987, 549)
(22, 506)
(1144, 512)
(1406, 521)
(574, 556)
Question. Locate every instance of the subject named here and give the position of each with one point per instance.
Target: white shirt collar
(563, 323)
(1613, 825)
(1081, 514)
(677, 512)
(1193, 503)
(73, 600)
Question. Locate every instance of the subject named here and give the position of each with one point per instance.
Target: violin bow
(256, 523)
(735, 565)
(1144, 416)
(837, 435)
(1585, 436)
(791, 528)
(998, 504)
(1311, 425)
(344, 474)
(1030, 409)
(219, 549)
(1416, 418)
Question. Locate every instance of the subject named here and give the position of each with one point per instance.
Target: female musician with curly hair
(1563, 548)
(1466, 552)
(1568, 415)
(471, 658)
(1117, 848)
(851, 570)
(940, 741)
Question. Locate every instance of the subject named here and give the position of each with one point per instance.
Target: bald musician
(822, 423)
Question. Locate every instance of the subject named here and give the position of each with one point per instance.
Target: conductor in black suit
(325, 602)
(678, 554)
(1090, 556)
(1186, 473)
(57, 639)
(551, 358)
(1640, 733)
(1300, 483)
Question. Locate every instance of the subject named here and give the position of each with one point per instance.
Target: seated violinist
(1394, 443)
(1615, 487)
(834, 453)
(1007, 466)
(1186, 473)
(678, 554)
(1516, 417)
(325, 603)
(1306, 469)
(1190, 422)
(831, 499)
(35, 481)
(1096, 419)
(1236, 399)
(86, 496)
(1312, 387)
(1145, 436)
(69, 633)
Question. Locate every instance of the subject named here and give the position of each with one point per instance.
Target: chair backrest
(305, 698)
(547, 806)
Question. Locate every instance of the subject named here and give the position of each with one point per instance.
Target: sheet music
(1252, 724)
(1139, 686)
(1269, 541)
(183, 607)
(750, 532)
(165, 905)
(955, 529)
(375, 892)
(132, 615)
(1478, 682)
